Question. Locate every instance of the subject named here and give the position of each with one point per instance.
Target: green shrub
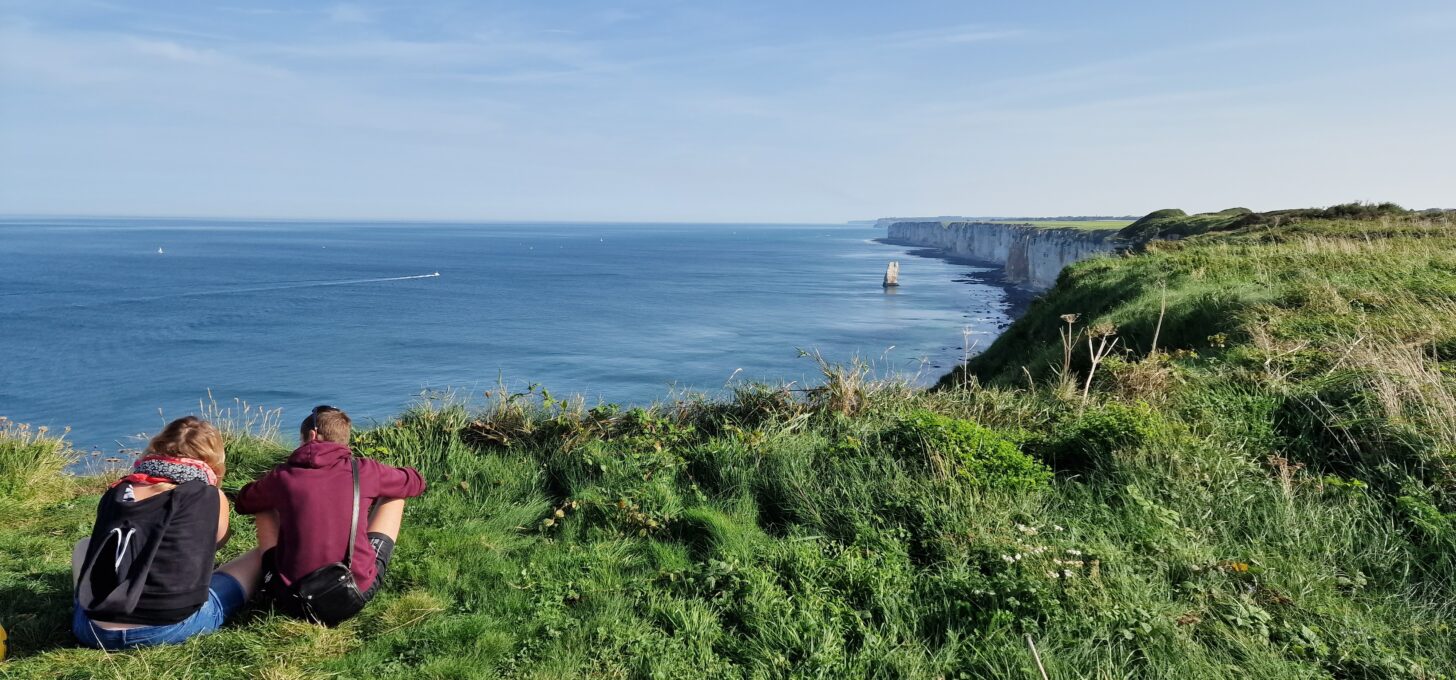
(31, 460)
(1433, 529)
(1086, 443)
(976, 455)
(1163, 214)
(1175, 223)
(709, 532)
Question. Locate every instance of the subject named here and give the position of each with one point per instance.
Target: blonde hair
(191, 437)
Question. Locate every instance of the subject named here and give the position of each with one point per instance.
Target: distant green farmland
(1070, 224)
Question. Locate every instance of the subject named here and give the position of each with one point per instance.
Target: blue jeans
(224, 597)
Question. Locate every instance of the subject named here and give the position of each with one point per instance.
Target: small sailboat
(892, 275)
(161, 252)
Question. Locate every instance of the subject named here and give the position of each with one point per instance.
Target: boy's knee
(383, 545)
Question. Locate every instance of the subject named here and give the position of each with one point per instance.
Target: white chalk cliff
(1032, 256)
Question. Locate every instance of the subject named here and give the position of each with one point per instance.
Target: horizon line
(426, 220)
(499, 220)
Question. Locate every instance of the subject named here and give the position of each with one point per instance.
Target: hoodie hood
(319, 454)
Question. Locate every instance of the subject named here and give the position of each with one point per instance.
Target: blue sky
(721, 111)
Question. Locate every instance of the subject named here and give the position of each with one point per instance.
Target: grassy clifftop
(1089, 225)
(1268, 491)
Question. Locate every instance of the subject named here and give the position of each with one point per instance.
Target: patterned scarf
(155, 469)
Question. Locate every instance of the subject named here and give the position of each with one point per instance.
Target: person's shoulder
(272, 474)
(196, 492)
(266, 480)
(192, 487)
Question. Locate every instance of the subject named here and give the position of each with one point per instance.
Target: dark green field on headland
(1227, 455)
(1093, 225)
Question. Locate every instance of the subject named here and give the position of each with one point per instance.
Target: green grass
(1269, 494)
(1092, 225)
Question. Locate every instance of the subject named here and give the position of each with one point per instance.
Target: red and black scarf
(156, 469)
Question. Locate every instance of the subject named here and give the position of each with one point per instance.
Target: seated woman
(145, 577)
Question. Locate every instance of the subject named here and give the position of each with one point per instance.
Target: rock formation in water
(1032, 256)
(892, 275)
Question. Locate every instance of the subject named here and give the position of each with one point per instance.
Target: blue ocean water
(113, 326)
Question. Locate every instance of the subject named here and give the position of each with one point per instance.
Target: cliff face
(1032, 256)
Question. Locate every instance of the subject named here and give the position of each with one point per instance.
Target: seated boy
(302, 509)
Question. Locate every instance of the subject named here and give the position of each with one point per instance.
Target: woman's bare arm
(222, 518)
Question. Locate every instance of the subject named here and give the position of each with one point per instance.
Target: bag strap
(353, 515)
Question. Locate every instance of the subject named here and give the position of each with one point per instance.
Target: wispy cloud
(945, 36)
(872, 45)
(172, 51)
(347, 13)
(47, 60)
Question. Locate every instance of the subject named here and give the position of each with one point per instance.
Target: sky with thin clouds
(721, 111)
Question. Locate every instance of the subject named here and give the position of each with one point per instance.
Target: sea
(111, 327)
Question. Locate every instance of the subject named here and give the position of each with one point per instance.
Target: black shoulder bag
(329, 594)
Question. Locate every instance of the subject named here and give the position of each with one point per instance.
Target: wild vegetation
(1229, 455)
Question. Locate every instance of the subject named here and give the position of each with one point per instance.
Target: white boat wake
(306, 284)
(262, 288)
(346, 282)
(282, 285)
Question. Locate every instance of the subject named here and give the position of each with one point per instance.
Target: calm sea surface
(112, 326)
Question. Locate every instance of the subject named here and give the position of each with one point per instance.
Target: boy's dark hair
(332, 424)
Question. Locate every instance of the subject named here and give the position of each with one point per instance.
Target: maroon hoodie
(311, 492)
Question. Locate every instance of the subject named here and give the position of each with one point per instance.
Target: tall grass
(31, 463)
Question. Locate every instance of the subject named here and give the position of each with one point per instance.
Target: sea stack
(892, 275)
